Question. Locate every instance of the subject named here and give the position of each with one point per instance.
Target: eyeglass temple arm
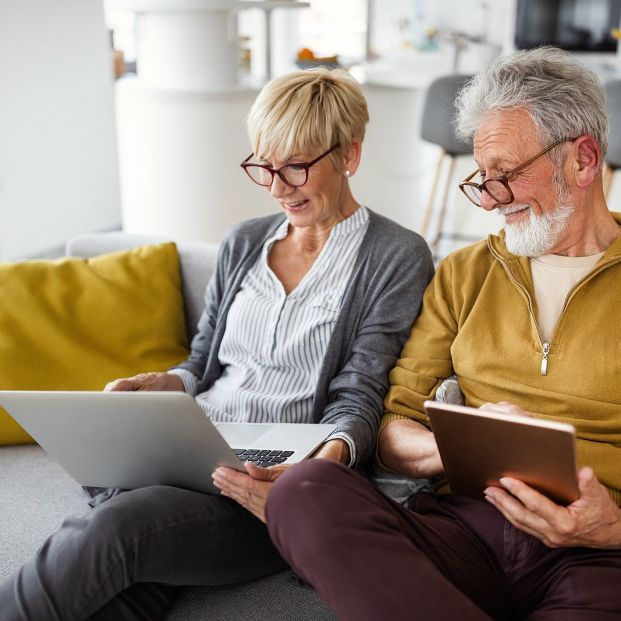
(469, 177)
(527, 162)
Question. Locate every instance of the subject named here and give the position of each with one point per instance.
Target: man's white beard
(536, 235)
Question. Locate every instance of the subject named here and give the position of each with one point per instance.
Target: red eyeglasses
(294, 174)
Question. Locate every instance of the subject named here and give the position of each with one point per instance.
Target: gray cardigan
(383, 298)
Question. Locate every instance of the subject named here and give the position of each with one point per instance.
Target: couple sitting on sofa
(304, 320)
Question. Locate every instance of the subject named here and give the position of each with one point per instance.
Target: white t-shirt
(554, 276)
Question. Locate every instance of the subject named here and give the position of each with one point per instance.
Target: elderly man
(526, 319)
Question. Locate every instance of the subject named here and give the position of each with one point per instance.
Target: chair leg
(432, 197)
(441, 216)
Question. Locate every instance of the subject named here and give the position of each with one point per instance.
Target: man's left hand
(249, 489)
(593, 520)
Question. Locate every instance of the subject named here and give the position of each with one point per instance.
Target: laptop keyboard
(263, 458)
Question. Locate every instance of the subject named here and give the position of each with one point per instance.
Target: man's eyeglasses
(294, 174)
(498, 187)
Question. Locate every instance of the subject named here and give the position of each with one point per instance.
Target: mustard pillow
(75, 324)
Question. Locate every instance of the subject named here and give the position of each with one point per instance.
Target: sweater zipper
(546, 345)
(544, 360)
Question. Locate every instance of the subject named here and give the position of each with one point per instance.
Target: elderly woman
(303, 318)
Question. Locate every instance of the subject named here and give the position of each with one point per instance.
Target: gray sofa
(36, 494)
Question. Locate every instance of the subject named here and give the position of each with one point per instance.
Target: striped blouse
(274, 343)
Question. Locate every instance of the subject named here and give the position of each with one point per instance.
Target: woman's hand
(146, 381)
(249, 489)
(252, 488)
(335, 450)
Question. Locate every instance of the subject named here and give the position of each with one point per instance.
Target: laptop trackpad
(243, 435)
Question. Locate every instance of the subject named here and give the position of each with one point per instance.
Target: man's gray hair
(563, 98)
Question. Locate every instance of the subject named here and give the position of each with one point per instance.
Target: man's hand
(505, 407)
(249, 489)
(592, 521)
(146, 381)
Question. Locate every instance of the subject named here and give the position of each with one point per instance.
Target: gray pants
(124, 559)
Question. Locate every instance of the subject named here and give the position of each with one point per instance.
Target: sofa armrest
(198, 260)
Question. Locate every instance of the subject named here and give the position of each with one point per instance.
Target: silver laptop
(136, 439)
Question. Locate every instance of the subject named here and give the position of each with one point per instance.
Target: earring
(348, 173)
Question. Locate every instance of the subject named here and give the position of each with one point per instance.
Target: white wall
(58, 163)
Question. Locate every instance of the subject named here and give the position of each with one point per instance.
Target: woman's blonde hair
(307, 112)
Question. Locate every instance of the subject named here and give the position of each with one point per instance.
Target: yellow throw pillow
(75, 324)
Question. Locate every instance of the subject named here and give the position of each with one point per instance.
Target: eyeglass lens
(496, 189)
(293, 175)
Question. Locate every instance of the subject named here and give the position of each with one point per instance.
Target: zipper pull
(544, 360)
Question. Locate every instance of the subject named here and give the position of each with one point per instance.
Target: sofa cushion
(197, 259)
(75, 324)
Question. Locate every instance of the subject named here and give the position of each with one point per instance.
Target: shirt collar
(352, 223)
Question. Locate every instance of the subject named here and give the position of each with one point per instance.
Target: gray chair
(438, 127)
(613, 156)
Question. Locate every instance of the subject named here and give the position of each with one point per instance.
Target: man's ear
(586, 161)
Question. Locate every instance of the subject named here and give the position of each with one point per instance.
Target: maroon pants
(445, 558)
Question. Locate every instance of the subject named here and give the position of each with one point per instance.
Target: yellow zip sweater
(478, 320)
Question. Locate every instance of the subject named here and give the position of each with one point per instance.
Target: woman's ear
(352, 157)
